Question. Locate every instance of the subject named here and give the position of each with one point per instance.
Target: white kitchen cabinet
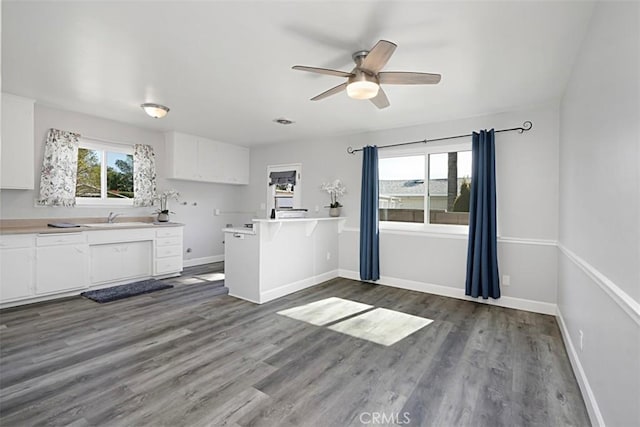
(36, 267)
(62, 262)
(168, 251)
(195, 158)
(17, 256)
(116, 262)
(182, 151)
(17, 171)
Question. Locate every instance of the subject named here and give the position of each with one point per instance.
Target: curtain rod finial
(350, 150)
(526, 126)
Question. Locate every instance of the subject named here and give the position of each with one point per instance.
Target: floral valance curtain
(144, 175)
(59, 166)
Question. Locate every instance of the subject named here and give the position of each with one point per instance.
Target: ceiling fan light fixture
(362, 89)
(362, 85)
(156, 111)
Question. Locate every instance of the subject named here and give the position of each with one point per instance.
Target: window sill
(444, 230)
(96, 204)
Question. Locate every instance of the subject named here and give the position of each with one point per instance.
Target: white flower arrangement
(335, 189)
(164, 197)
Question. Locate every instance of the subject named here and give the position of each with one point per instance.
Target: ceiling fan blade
(378, 56)
(322, 71)
(408, 78)
(330, 92)
(380, 100)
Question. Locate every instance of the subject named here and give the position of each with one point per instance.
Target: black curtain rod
(525, 127)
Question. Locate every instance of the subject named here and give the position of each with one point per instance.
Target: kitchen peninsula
(280, 256)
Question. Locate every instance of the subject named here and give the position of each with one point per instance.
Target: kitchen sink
(116, 224)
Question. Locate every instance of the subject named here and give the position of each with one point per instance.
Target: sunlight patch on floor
(211, 277)
(325, 311)
(187, 280)
(382, 326)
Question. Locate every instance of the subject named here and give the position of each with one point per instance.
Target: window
(436, 180)
(284, 188)
(105, 174)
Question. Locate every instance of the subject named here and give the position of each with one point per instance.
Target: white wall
(527, 174)
(599, 260)
(203, 230)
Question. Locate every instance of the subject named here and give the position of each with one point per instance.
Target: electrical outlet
(581, 339)
(317, 209)
(216, 212)
(328, 256)
(506, 280)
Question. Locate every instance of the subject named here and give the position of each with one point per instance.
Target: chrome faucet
(112, 216)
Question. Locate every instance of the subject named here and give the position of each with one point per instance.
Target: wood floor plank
(190, 356)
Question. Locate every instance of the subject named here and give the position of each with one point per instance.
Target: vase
(334, 212)
(163, 217)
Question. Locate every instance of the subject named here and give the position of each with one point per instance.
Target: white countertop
(331, 218)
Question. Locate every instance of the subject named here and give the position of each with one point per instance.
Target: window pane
(402, 189)
(88, 182)
(449, 187)
(119, 175)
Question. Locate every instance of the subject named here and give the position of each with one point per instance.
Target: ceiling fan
(363, 82)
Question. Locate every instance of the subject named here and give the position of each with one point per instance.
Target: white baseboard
(448, 291)
(204, 260)
(290, 288)
(589, 399)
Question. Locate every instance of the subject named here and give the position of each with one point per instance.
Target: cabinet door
(120, 261)
(17, 169)
(105, 263)
(136, 259)
(16, 274)
(184, 156)
(209, 161)
(237, 164)
(61, 268)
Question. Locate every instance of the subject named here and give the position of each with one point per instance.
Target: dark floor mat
(126, 291)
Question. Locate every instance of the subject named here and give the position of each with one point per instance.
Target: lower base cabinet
(120, 261)
(62, 263)
(35, 267)
(16, 273)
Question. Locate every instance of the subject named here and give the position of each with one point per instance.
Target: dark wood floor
(188, 356)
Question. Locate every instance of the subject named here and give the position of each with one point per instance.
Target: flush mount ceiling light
(362, 86)
(156, 111)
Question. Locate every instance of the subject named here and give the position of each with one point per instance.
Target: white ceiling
(224, 67)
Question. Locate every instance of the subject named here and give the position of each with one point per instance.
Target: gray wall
(203, 229)
(599, 257)
(527, 168)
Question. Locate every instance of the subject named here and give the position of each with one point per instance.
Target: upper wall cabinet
(17, 143)
(194, 158)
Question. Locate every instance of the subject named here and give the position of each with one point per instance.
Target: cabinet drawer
(169, 232)
(17, 241)
(168, 251)
(168, 241)
(60, 239)
(168, 265)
